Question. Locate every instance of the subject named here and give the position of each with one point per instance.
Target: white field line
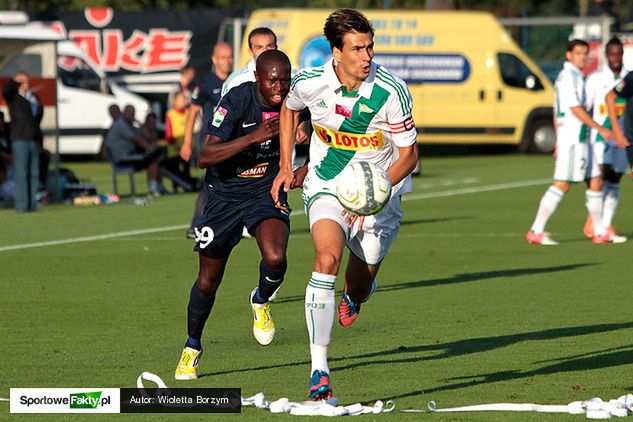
(408, 197)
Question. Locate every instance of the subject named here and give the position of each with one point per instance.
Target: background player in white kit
(611, 158)
(360, 112)
(574, 160)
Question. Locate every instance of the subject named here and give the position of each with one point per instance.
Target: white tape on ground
(408, 197)
(595, 408)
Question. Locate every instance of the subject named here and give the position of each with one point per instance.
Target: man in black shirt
(241, 155)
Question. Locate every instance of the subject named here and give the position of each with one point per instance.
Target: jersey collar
(335, 85)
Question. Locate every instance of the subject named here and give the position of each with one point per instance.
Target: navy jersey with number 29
(252, 170)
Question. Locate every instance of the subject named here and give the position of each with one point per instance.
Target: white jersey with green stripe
(237, 78)
(570, 92)
(364, 125)
(598, 85)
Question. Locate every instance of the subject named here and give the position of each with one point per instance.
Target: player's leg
(328, 238)
(201, 300)
(547, 206)
(272, 239)
(359, 285)
(611, 194)
(368, 248)
(594, 204)
(217, 233)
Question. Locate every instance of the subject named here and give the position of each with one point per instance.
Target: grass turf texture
(466, 311)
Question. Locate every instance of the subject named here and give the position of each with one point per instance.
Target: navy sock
(198, 311)
(269, 281)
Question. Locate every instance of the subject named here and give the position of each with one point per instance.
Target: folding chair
(116, 169)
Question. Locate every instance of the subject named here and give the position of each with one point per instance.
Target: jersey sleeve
(399, 117)
(226, 117)
(200, 95)
(566, 91)
(591, 91)
(625, 88)
(294, 100)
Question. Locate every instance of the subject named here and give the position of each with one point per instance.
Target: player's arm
(185, 149)
(215, 150)
(618, 133)
(582, 115)
(405, 163)
(288, 122)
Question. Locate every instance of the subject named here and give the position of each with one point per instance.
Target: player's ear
(336, 53)
(256, 76)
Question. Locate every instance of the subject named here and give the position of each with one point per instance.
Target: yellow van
(469, 80)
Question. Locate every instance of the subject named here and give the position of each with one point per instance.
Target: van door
(520, 100)
(83, 100)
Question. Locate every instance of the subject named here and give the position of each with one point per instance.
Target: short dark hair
(576, 42)
(342, 21)
(270, 57)
(614, 41)
(260, 31)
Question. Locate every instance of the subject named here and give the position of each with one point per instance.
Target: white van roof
(29, 33)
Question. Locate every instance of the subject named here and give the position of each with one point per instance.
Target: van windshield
(516, 74)
(29, 63)
(76, 73)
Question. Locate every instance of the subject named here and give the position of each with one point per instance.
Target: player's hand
(282, 181)
(351, 219)
(620, 140)
(299, 176)
(185, 152)
(302, 133)
(605, 133)
(267, 129)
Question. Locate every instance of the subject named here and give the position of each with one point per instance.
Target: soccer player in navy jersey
(241, 155)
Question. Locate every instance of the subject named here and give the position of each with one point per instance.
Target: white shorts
(598, 148)
(575, 163)
(379, 231)
(616, 157)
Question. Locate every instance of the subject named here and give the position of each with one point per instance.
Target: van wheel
(540, 137)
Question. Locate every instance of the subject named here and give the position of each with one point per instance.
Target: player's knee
(610, 176)
(275, 259)
(207, 285)
(327, 262)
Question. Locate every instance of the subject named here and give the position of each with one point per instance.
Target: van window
(516, 74)
(29, 63)
(75, 73)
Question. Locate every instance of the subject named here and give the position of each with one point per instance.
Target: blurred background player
(175, 122)
(624, 90)
(611, 158)
(574, 159)
(241, 154)
(361, 98)
(259, 40)
(205, 97)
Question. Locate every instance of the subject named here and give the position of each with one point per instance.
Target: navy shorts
(219, 229)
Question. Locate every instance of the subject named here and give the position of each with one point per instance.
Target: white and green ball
(363, 188)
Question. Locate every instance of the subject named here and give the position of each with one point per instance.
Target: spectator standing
(26, 114)
(205, 97)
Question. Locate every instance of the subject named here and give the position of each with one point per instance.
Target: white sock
(154, 186)
(593, 202)
(611, 192)
(547, 206)
(320, 317)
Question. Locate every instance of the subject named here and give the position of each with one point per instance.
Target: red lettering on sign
(166, 50)
(132, 57)
(111, 42)
(98, 16)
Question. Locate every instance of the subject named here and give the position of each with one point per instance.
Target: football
(363, 188)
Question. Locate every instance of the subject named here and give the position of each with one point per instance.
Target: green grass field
(466, 311)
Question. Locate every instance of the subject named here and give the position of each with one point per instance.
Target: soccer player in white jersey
(259, 40)
(611, 158)
(360, 112)
(574, 160)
